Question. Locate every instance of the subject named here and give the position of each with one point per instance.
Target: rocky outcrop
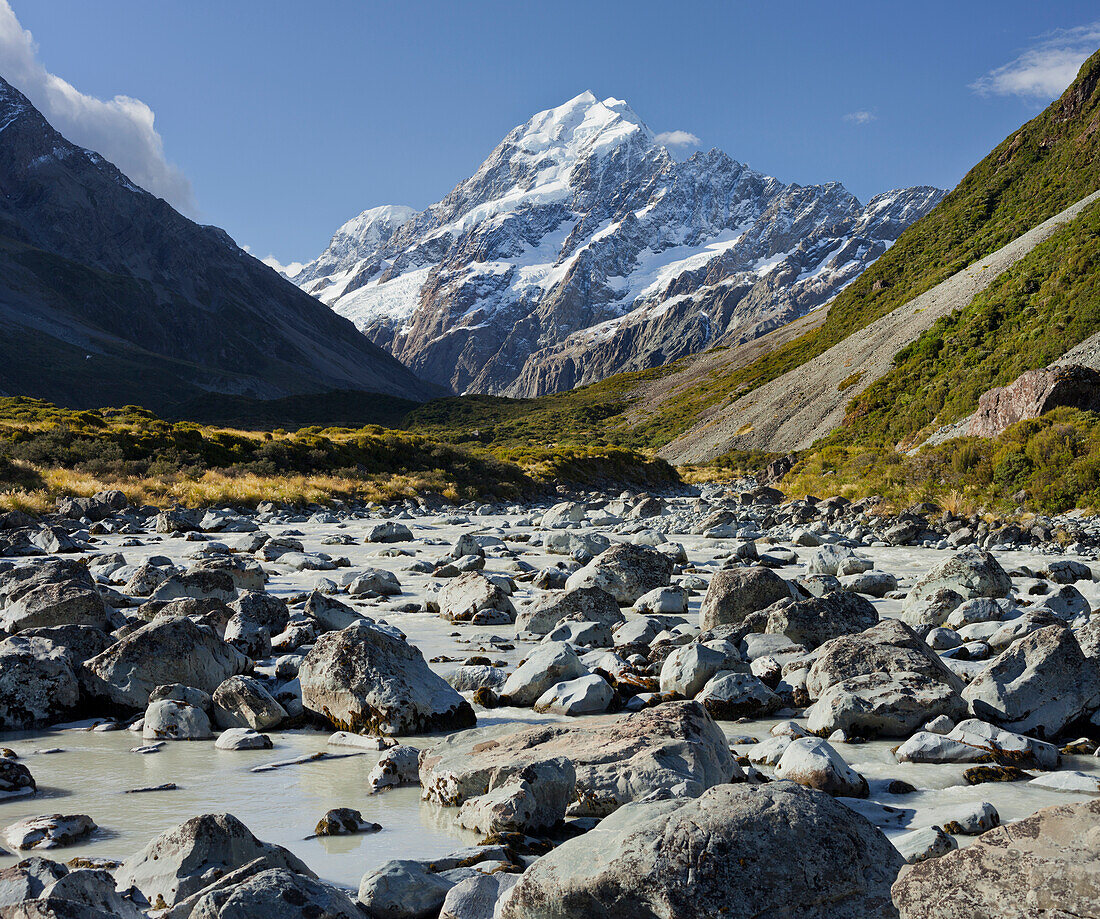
(795, 410)
(1032, 394)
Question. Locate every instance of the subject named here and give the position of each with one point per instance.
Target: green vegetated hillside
(1038, 171)
(1028, 318)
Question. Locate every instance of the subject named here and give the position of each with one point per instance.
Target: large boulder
(883, 705)
(970, 573)
(276, 894)
(247, 574)
(1040, 684)
(331, 615)
(366, 680)
(671, 748)
(37, 683)
(53, 593)
(90, 888)
(688, 669)
(889, 646)
(814, 762)
(551, 663)
(827, 559)
(625, 571)
(78, 642)
(180, 862)
(883, 681)
(244, 702)
(734, 593)
(389, 532)
(476, 897)
(199, 585)
(171, 719)
(586, 695)
(472, 597)
(164, 651)
(563, 514)
(403, 889)
(729, 696)
(1044, 865)
(534, 798)
(738, 850)
(585, 604)
(816, 620)
(262, 608)
(976, 741)
(49, 831)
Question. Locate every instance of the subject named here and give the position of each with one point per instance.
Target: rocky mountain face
(108, 296)
(581, 248)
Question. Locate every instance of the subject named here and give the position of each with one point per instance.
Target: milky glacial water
(94, 769)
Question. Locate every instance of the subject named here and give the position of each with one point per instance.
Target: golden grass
(217, 488)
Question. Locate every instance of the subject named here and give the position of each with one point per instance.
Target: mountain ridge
(580, 248)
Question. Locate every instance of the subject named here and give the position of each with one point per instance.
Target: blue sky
(279, 120)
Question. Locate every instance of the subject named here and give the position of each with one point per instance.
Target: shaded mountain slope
(109, 296)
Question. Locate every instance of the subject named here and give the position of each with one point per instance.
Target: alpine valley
(581, 248)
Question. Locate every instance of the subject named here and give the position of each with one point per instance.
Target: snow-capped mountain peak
(580, 248)
(580, 126)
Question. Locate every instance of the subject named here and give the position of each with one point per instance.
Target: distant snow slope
(581, 248)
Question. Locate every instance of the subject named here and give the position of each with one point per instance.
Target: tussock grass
(47, 451)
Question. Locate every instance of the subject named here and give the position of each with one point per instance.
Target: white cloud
(860, 117)
(121, 129)
(290, 269)
(1044, 70)
(678, 139)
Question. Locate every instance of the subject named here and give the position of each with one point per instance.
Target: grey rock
(625, 571)
(276, 894)
(183, 860)
(37, 683)
(365, 680)
(734, 593)
(585, 604)
(1038, 686)
(739, 850)
(669, 747)
(243, 702)
(551, 663)
(1044, 864)
(164, 651)
(403, 889)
